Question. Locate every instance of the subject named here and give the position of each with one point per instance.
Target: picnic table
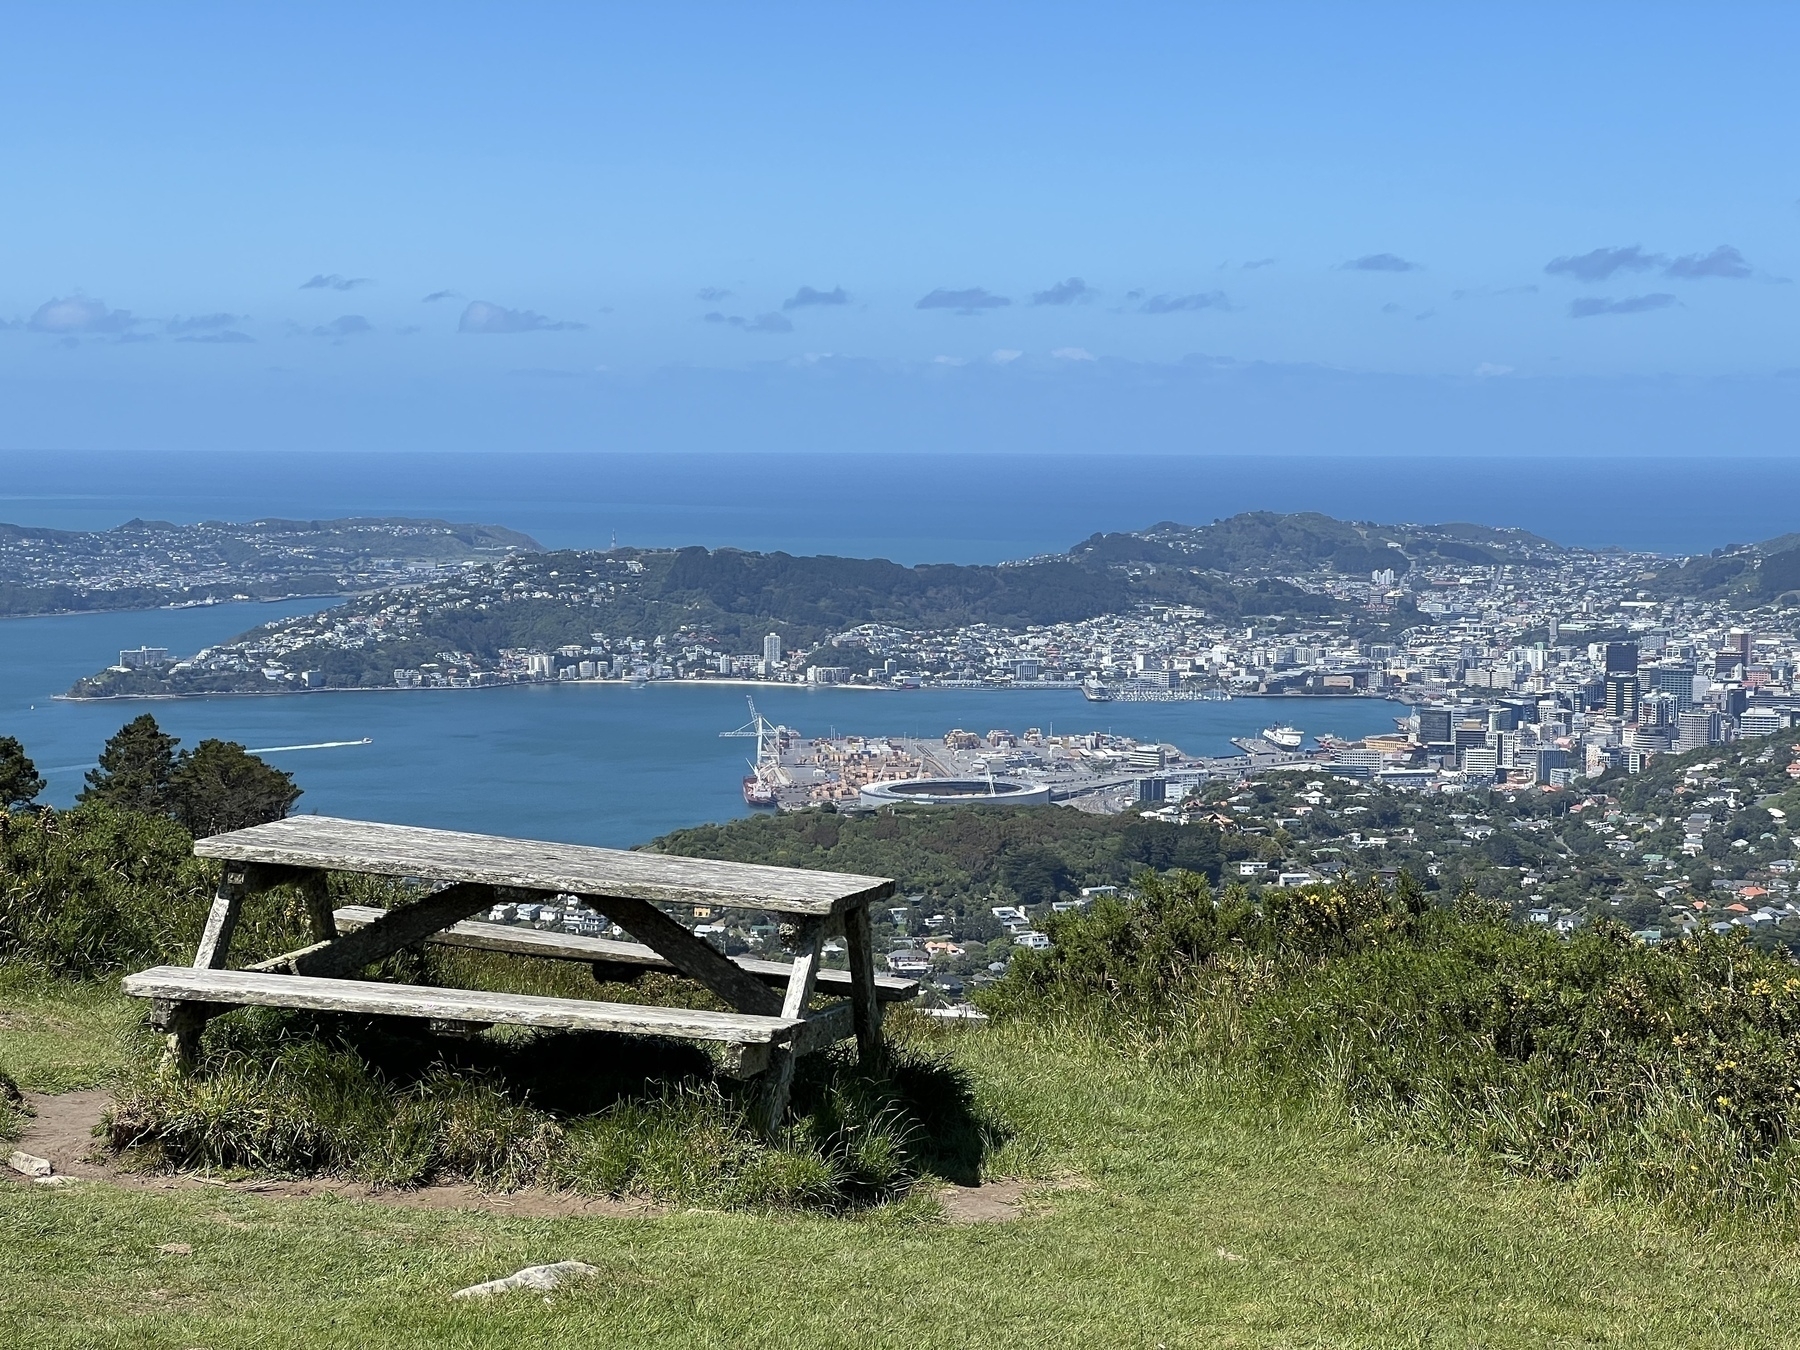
(771, 1022)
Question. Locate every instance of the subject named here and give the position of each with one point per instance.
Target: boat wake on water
(317, 745)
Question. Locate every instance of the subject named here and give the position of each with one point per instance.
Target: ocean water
(914, 507)
(601, 764)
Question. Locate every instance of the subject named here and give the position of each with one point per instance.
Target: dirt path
(62, 1130)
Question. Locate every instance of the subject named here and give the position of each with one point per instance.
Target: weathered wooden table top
(576, 869)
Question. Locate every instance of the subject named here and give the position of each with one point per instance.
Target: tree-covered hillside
(1264, 542)
(1756, 575)
(829, 593)
(966, 861)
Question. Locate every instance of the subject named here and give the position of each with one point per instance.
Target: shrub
(1672, 1069)
(87, 892)
(1139, 952)
(1143, 953)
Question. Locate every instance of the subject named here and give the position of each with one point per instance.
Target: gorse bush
(89, 892)
(1672, 1069)
(1143, 954)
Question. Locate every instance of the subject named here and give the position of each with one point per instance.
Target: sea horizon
(912, 507)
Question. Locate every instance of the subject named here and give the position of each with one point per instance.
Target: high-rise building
(772, 648)
(1671, 678)
(1479, 761)
(1762, 721)
(1695, 728)
(1622, 697)
(1435, 725)
(1549, 759)
(1621, 658)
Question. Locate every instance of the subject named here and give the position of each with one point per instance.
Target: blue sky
(1185, 228)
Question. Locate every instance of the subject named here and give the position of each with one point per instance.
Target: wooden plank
(571, 869)
(237, 882)
(692, 956)
(185, 984)
(396, 928)
(865, 995)
(285, 962)
(804, 974)
(552, 946)
(778, 1080)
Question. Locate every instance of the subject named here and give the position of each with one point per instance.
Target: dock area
(1094, 770)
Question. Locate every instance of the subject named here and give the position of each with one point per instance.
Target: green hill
(1264, 542)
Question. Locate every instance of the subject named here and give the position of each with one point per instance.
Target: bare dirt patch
(62, 1130)
(990, 1202)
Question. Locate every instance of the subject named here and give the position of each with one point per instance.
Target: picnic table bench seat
(173, 986)
(772, 1019)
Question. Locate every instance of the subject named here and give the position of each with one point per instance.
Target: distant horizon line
(960, 455)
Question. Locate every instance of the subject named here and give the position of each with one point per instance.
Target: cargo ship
(758, 793)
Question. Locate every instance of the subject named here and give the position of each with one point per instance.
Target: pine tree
(20, 782)
(135, 767)
(219, 786)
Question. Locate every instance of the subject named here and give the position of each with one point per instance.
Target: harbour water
(590, 763)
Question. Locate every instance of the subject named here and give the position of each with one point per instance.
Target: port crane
(766, 774)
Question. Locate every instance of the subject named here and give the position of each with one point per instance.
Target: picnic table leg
(181, 1025)
(320, 920)
(777, 1082)
(239, 881)
(865, 1008)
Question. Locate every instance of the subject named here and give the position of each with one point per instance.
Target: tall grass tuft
(390, 1103)
(12, 1107)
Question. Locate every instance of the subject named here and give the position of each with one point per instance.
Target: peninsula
(149, 564)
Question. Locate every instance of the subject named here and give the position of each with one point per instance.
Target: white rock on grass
(553, 1276)
(29, 1164)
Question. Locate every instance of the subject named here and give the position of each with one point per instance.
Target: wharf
(1093, 768)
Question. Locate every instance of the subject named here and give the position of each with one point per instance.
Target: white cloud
(78, 314)
(482, 317)
(1073, 354)
(1005, 356)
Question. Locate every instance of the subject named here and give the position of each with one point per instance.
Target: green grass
(1186, 1210)
(57, 1035)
